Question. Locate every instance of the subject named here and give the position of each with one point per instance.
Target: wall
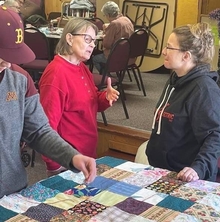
(187, 12)
(52, 6)
(180, 12)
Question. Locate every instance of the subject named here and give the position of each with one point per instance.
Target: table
(123, 191)
(55, 34)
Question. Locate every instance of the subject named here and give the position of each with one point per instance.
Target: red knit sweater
(71, 102)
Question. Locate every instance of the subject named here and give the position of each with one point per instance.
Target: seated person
(119, 26)
(186, 127)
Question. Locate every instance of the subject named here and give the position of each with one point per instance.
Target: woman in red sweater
(68, 94)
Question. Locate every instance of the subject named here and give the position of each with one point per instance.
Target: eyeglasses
(171, 48)
(88, 38)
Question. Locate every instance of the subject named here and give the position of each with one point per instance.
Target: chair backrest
(38, 42)
(119, 55)
(53, 15)
(97, 21)
(139, 41)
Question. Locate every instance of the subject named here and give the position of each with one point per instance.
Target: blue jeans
(97, 60)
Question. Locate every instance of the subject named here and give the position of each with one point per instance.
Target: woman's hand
(187, 174)
(111, 93)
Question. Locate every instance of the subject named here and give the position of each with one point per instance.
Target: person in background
(119, 26)
(186, 127)
(13, 5)
(68, 93)
(22, 117)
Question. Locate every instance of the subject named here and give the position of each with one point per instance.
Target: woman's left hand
(112, 94)
(187, 174)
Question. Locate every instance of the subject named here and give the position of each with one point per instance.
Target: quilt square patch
(189, 193)
(112, 214)
(123, 189)
(159, 214)
(87, 207)
(165, 185)
(58, 183)
(108, 198)
(110, 161)
(116, 174)
(102, 183)
(101, 168)
(203, 212)
(38, 192)
(175, 203)
(42, 212)
(133, 206)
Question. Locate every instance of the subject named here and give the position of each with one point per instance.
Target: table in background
(53, 37)
(53, 34)
(123, 191)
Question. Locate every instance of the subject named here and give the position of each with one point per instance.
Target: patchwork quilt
(123, 191)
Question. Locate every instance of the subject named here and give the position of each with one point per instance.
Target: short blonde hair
(73, 26)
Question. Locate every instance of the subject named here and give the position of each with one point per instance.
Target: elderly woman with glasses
(68, 94)
(186, 127)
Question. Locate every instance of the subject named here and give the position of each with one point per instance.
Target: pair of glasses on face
(171, 48)
(87, 38)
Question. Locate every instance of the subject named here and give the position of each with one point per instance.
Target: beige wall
(181, 12)
(187, 10)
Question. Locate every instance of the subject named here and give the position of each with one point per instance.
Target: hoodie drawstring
(161, 113)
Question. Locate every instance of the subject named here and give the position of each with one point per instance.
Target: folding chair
(98, 49)
(138, 41)
(39, 44)
(116, 63)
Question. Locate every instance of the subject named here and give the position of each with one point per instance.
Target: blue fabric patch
(102, 183)
(110, 161)
(124, 189)
(175, 203)
(6, 214)
(88, 191)
(58, 183)
(38, 192)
